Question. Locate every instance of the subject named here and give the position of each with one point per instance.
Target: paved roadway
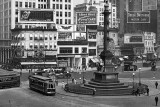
(24, 97)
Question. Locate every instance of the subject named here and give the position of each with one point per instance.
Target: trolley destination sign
(138, 17)
(86, 18)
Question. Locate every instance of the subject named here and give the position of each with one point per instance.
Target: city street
(24, 97)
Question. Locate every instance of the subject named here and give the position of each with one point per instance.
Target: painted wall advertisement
(80, 36)
(65, 35)
(35, 15)
(138, 17)
(86, 18)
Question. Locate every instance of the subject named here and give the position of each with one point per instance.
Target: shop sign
(86, 18)
(36, 15)
(138, 17)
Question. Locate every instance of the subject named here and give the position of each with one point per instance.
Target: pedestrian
(156, 84)
(63, 84)
(147, 89)
(94, 91)
(56, 81)
(138, 91)
(156, 100)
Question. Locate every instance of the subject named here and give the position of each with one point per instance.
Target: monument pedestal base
(106, 77)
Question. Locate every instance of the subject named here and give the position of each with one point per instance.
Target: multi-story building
(149, 41)
(37, 31)
(72, 47)
(98, 7)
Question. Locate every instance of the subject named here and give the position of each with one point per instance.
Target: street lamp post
(139, 76)
(133, 79)
(67, 76)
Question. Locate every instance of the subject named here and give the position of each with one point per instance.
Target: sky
(75, 2)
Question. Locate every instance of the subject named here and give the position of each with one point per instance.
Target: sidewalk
(152, 92)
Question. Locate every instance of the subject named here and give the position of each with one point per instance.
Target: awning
(96, 59)
(126, 57)
(93, 60)
(144, 55)
(19, 36)
(121, 59)
(38, 63)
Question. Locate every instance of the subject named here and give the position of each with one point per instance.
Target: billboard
(64, 35)
(27, 16)
(138, 17)
(133, 39)
(86, 18)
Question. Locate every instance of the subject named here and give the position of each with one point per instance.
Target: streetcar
(9, 79)
(42, 84)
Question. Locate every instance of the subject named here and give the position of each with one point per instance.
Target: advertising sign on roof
(30, 16)
(138, 17)
(86, 18)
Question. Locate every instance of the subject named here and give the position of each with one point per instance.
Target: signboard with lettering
(66, 28)
(86, 18)
(81, 28)
(65, 35)
(136, 39)
(62, 63)
(27, 16)
(138, 17)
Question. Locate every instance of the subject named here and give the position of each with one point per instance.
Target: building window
(45, 6)
(16, 4)
(26, 4)
(34, 5)
(65, 21)
(84, 50)
(20, 4)
(69, 21)
(65, 14)
(92, 52)
(57, 21)
(57, 13)
(60, 0)
(57, 6)
(92, 44)
(30, 4)
(76, 50)
(65, 50)
(16, 11)
(65, 0)
(66, 6)
(69, 1)
(69, 7)
(53, 6)
(39, 6)
(60, 13)
(60, 6)
(60, 21)
(69, 14)
(16, 19)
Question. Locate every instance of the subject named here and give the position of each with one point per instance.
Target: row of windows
(27, 4)
(59, 21)
(61, 1)
(42, 0)
(70, 50)
(67, 14)
(59, 6)
(42, 6)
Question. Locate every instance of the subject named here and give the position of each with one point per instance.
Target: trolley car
(9, 79)
(42, 84)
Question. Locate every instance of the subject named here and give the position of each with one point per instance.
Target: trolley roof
(41, 77)
(7, 73)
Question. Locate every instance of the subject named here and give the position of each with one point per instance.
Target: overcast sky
(75, 2)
